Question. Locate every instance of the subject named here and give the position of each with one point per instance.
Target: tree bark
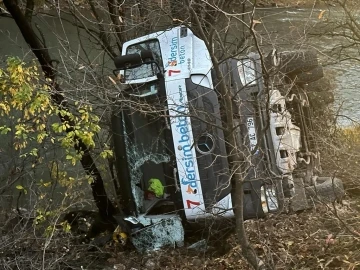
(114, 16)
(29, 8)
(235, 158)
(106, 208)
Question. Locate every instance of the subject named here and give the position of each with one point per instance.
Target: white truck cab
(167, 128)
(181, 68)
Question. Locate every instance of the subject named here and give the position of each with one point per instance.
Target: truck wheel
(309, 76)
(327, 190)
(321, 85)
(298, 61)
(321, 99)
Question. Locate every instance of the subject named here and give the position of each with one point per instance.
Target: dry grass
(314, 239)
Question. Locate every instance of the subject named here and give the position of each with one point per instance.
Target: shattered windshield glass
(144, 71)
(148, 155)
(144, 90)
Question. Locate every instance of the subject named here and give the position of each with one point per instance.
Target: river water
(281, 28)
(300, 28)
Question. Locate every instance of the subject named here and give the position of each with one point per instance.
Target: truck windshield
(148, 154)
(147, 70)
(145, 89)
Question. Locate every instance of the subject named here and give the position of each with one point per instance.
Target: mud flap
(260, 198)
(252, 199)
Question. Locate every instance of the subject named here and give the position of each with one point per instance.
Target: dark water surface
(281, 28)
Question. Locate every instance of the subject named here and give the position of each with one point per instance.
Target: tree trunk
(29, 9)
(106, 208)
(235, 157)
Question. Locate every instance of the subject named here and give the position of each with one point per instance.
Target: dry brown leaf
(112, 80)
(321, 14)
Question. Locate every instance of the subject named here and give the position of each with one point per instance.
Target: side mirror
(135, 60)
(147, 56)
(128, 61)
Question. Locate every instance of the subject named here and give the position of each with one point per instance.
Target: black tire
(298, 61)
(309, 76)
(322, 85)
(327, 190)
(320, 99)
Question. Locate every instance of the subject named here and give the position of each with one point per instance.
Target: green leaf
(4, 130)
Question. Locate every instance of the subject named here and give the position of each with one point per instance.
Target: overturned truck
(171, 153)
